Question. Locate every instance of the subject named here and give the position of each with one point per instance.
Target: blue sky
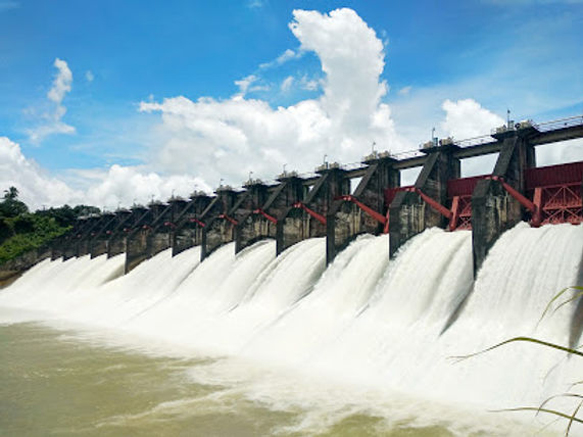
(130, 61)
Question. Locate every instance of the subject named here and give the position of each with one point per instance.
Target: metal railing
(560, 123)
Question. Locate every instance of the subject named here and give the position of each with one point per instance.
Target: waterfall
(364, 321)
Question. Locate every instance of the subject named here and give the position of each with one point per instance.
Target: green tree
(11, 206)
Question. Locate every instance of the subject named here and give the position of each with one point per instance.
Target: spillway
(364, 322)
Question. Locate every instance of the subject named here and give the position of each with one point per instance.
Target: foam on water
(364, 322)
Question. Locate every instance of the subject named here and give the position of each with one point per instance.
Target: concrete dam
(290, 291)
(296, 208)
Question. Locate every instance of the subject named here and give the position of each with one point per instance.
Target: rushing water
(257, 345)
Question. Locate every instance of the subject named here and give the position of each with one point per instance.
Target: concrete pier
(139, 243)
(78, 244)
(190, 222)
(307, 219)
(117, 243)
(410, 214)
(99, 243)
(220, 225)
(494, 210)
(261, 221)
(347, 218)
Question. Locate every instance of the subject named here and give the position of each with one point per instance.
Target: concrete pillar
(219, 229)
(117, 242)
(137, 241)
(409, 213)
(493, 209)
(77, 242)
(85, 244)
(346, 220)
(188, 230)
(161, 234)
(99, 244)
(253, 227)
(296, 224)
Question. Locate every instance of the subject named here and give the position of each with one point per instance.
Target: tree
(11, 193)
(11, 206)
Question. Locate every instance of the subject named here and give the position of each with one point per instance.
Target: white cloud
(227, 139)
(286, 56)
(245, 83)
(36, 188)
(89, 77)
(118, 185)
(126, 185)
(309, 84)
(405, 90)
(467, 118)
(62, 83)
(54, 125)
(256, 4)
(287, 84)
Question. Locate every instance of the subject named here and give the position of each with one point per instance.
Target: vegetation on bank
(22, 230)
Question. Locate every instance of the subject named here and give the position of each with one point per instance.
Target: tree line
(22, 230)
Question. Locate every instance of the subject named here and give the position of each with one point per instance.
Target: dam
(331, 305)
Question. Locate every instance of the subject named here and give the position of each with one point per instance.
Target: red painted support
(267, 216)
(314, 214)
(229, 219)
(455, 209)
(556, 192)
(375, 215)
(387, 222)
(514, 193)
(433, 203)
(170, 224)
(197, 221)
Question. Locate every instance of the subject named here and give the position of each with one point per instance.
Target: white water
(365, 323)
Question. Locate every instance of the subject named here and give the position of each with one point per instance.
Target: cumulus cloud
(467, 118)
(128, 185)
(54, 125)
(89, 76)
(117, 186)
(36, 188)
(227, 139)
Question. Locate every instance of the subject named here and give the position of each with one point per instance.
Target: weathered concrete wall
(297, 225)
(117, 242)
(188, 230)
(219, 230)
(253, 227)
(409, 214)
(11, 270)
(493, 209)
(346, 220)
(99, 243)
(161, 236)
(77, 243)
(137, 240)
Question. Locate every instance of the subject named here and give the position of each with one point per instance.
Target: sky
(112, 103)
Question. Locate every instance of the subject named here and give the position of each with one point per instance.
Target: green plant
(572, 417)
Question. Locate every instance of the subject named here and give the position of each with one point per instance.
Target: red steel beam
(267, 216)
(197, 221)
(432, 203)
(455, 208)
(375, 215)
(229, 219)
(314, 214)
(514, 193)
